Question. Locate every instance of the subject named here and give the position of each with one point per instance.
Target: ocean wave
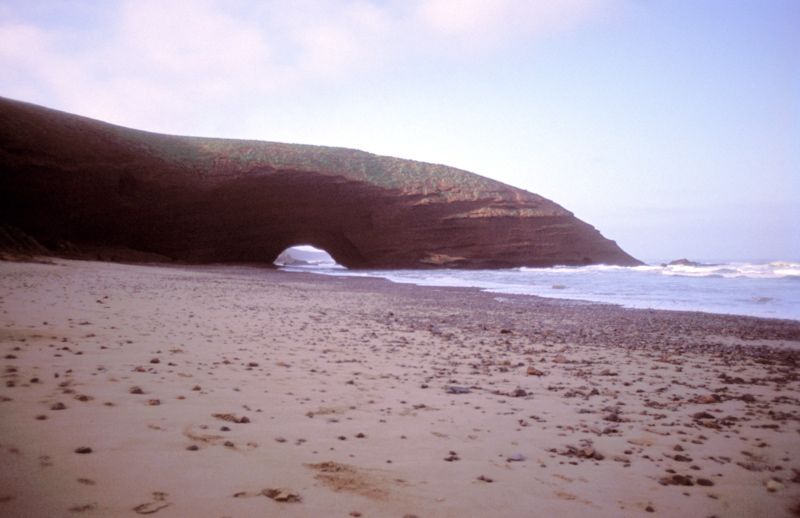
(766, 290)
(773, 270)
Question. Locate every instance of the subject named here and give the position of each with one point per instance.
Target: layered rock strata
(92, 185)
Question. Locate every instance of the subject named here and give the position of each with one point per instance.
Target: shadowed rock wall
(65, 178)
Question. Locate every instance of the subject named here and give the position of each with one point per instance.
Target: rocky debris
(773, 485)
(676, 480)
(452, 456)
(518, 392)
(282, 495)
(232, 418)
(455, 389)
(708, 399)
(584, 451)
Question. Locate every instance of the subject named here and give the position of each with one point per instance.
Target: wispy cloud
(152, 63)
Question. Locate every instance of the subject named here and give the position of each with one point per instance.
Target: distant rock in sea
(685, 262)
(77, 186)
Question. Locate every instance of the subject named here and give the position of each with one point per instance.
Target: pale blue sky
(672, 126)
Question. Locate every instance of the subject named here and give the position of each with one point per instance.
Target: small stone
(453, 456)
(58, 406)
(282, 495)
(773, 485)
(193, 447)
(455, 389)
(533, 371)
(136, 390)
(83, 450)
(155, 360)
(516, 457)
(704, 482)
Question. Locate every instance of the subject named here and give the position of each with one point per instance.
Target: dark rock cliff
(69, 179)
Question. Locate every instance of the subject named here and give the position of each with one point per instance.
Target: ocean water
(764, 290)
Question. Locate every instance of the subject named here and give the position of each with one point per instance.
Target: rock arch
(69, 178)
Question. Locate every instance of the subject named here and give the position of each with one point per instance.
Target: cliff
(71, 182)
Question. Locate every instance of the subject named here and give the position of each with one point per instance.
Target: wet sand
(236, 391)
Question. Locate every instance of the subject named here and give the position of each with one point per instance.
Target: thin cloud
(169, 66)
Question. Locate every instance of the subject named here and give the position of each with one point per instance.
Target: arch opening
(306, 256)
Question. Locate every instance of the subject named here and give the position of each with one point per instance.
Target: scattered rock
(773, 485)
(282, 495)
(232, 418)
(676, 480)
(709, 399)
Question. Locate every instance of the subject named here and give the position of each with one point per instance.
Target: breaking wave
(764, 290)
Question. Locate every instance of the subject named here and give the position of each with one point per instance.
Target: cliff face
(65, 178)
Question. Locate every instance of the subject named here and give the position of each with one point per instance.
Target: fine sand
(237, 391)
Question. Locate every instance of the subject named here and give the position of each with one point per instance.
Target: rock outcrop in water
(74, 183)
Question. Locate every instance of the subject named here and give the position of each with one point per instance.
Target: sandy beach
(233, 391)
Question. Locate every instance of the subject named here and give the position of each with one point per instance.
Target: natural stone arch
(71, 179)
